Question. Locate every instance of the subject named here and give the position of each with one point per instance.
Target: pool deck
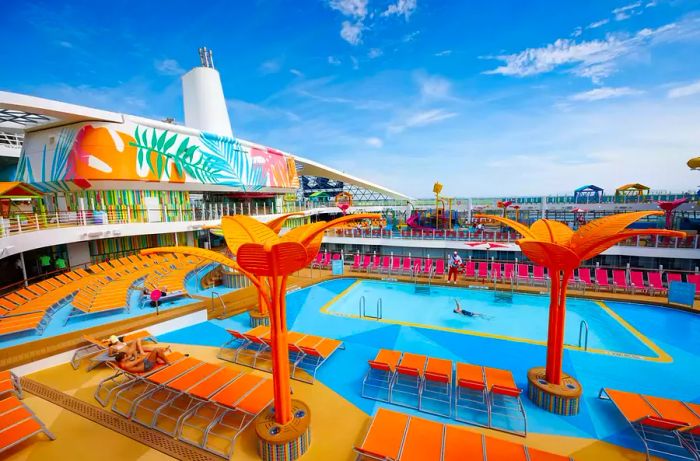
(331, 440)
(333, 437)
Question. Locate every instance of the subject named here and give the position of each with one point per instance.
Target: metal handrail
(362, 306)
(223, 304)
(581, 335)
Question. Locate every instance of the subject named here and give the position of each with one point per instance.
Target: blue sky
(491, 98)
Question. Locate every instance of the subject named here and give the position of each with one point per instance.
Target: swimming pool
(515, 317)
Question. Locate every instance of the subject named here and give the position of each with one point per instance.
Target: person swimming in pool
(458, 310)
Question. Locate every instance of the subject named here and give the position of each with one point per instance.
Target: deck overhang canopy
(308, 167)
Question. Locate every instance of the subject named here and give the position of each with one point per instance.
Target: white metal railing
(690, 242)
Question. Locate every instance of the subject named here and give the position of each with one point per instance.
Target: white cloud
(434, 86)
(374, 53)
(352, 8)
(598, 94)
(333, 61)
(421, 118)
(401, 7)
(410, 37)
(596, 24)
(651, 4)
(296, 73)
(685, 90)
(271, 66)
(355, 63)
(352, 33)
(65, 44)
(374, 142)
(168, 67)
(577, 32)
(594, 59)
(624, 12)
(443, 53)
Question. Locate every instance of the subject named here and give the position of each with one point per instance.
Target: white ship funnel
(203, 95)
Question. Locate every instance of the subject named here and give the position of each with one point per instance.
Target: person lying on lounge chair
(131, 348)
(458, 310)
(142, 363)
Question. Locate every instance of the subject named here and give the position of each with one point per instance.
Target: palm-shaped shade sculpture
(266, 257)
(669, 207)
(554, 245)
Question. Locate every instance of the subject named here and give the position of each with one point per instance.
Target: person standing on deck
(455, 262)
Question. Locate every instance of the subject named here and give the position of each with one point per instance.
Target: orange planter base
(561, 399)
(288, 442)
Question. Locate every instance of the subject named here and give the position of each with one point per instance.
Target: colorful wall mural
(62, 158)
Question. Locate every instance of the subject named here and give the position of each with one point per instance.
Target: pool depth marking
(661, 355)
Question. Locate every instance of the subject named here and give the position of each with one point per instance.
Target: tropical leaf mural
(59, 162)
(160, 152)
(239, 170)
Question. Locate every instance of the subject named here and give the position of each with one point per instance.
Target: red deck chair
(694, 279)
(584, 276)
(417, 266)
(469, 271)
(637, 282)
(523, 274)
(326, 261)
(395, 264)
(366, 262)
(406, 268)
(355, 263)
(538, 275)
(495, 271)
(620, 280)
(376, 265)
(482, 271)
(427, 266)
(672, 277)
(439, 267)
(602, 279)
(317, 262)
(508, 270)
(655, 283)
(386, 264)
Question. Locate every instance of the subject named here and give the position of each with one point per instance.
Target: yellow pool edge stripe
(662, 356)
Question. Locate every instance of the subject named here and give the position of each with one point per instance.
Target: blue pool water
(675, 332)
(517, 316)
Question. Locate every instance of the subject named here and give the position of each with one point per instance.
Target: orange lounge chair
(122, 378)
(436, 394)
(18, 423)
(385, 436)
(146, 408)
(397, 436)
(97, 346)
(664, 426)
(187, 392)
(23, 323)
(125, 400)
(234, 407)
(471, 398)
(10, 384)
(408, 379)
(377, 382)
(313, 355)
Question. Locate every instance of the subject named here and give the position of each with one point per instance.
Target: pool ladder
(214, 294)
(583, 335)
(363, 309)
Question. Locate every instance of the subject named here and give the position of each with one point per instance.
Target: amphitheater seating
(18, 423)
(398, 436)
(473, 394)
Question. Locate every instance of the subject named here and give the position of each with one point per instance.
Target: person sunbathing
(142, 363)
(131, 348)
